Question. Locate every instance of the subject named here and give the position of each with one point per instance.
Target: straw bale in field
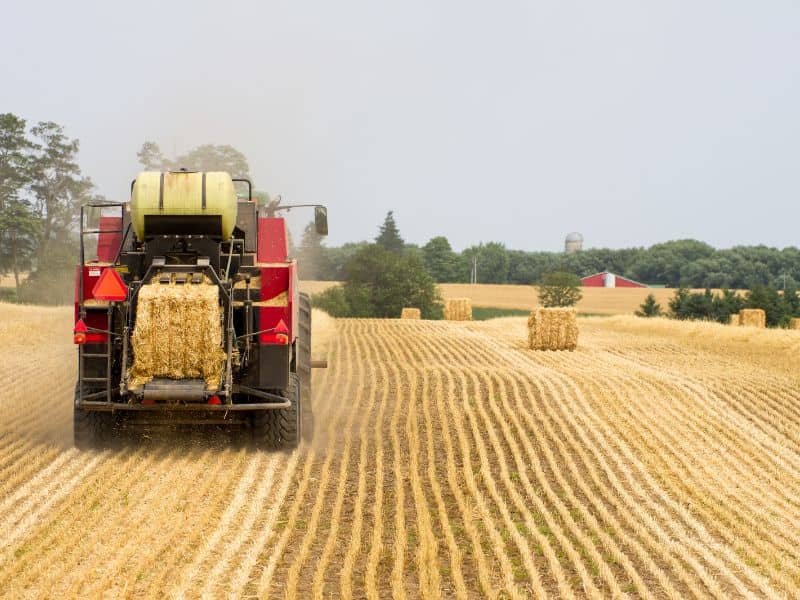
(735, 319)
(458, 309)
(794, 324)
(753, 317)
(411, 313)
(177, 334)
(553, 329)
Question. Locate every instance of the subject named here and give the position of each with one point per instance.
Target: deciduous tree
(440, 260)
(559, 289)
(59, 188)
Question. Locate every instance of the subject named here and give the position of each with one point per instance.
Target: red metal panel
(596, 280)
(269, 317)
(272, 246)
(109, 238)
(599, 280)
(275, 280)
(94, 319)
(627, 283)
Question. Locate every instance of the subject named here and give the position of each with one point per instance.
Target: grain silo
(573, 243)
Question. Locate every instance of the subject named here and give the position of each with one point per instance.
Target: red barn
(610, 280)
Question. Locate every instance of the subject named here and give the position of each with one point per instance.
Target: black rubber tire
(304, 367)
(92, 429)
(280, 429)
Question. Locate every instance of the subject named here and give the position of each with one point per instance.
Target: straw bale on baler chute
(411, 313)
(753, 317)
(177, 334)
(458, 309)
(735, 320)
(553, 329)
(794, 324)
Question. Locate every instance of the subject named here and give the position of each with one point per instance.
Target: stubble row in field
(449, 461)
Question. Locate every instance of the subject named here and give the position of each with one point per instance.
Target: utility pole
(474, 273)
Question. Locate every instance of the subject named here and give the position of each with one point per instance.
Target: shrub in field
(779, 309)
(649, 308)
(705, 306)
(559, 289)
(332, 301)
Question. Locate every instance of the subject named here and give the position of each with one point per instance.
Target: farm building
(610, 280)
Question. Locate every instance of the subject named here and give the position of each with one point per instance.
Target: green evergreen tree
(771, 302)
(678, 304)
(649, 308)
(389, 236)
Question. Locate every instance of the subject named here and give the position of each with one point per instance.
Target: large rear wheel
(282, 428)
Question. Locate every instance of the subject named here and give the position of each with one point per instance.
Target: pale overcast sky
(632, 122)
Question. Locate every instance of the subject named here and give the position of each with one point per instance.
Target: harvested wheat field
(595, 301)
(659, 459)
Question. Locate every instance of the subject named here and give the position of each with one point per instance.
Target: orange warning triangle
(110, 287)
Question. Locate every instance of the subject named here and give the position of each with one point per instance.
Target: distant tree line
(687, 263)
(41, 191)
(206, 157)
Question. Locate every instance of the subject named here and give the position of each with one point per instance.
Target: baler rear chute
(187, 254)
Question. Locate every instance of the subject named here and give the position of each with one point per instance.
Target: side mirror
(321, 220)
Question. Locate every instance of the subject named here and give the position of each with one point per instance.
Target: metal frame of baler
(203, 265)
